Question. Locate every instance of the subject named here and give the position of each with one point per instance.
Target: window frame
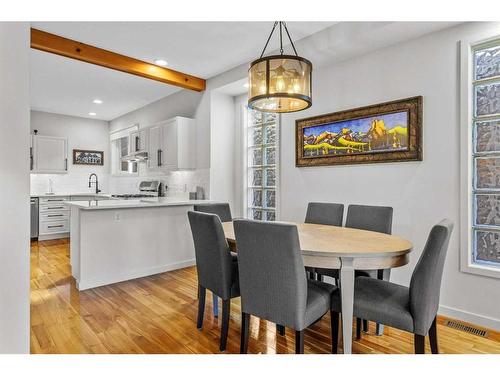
(467, 158)
(115, 164)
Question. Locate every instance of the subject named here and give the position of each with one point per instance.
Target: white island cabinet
(118, 240)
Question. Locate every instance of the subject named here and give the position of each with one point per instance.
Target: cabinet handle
(31, 158)
(55, 200)
(159, 158)
(55, 215)
(55, 226)
(55, 208)
(66, 164)
(136, 143)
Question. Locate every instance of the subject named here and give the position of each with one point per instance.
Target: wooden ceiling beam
(73, 49)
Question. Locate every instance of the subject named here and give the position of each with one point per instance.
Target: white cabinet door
(170, 144)
(50, 154)
(139, 141)
(155, 147)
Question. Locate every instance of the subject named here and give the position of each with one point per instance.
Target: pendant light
(280, 83)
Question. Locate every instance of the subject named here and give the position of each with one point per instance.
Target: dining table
(347, 250)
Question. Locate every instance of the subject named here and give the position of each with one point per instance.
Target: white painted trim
(466, 106)
(52, 236)
(477, 319)
(94, 283)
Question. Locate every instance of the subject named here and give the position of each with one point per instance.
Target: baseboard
(94, 283)
(52, 236)
(480, 320)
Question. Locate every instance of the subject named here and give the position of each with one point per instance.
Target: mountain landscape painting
(385, 132)
(378, 133)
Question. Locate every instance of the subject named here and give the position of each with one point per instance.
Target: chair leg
(419, 342)
(366, 326)
(433, 338)
(382, 275)
(358, 328)
(245, 328)
(280, 329)
(202, 292)
(226, 310)
(299, 342)
(334, 322)
(215, 302)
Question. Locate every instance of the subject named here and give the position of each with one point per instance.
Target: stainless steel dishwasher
(34, 218)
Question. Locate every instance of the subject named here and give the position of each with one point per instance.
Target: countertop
(134, 203)
(47, 195)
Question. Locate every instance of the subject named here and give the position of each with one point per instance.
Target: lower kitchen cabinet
(53, 218)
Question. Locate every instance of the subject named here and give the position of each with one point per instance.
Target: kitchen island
(118, 240)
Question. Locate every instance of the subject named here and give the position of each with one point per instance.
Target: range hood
(139, 156)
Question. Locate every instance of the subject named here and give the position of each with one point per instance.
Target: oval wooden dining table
(345, 249)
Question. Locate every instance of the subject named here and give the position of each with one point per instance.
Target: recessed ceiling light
(97, 101)
(160, 62)
(246, 85)
(92, 114)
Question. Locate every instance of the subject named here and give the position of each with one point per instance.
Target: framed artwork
(88, 157)
(380, 133)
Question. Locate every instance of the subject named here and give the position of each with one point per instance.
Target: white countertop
(134, 203)
(40, 195)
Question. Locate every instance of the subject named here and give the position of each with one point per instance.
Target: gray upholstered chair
(273, 281)
(376, 219)
(325, 214)
(220, 209)
(217, 267)
(224, 212)
(410, 309)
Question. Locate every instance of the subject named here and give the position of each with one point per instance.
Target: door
(51, 155)
(155, 154)
(169, 144)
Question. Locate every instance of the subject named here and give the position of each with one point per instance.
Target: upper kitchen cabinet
(139, 141)
(49, 154)
(172, 144)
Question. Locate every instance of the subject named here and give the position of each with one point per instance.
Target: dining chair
(412, 309)
(273, 280)
(216, 266)
(375, 219)
(325, 214)
(223, 210)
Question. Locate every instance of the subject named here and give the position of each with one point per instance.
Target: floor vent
(463, 327)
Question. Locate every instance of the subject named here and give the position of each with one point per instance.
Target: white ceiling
(204, 49)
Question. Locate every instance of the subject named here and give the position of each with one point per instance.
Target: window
(120, 146)
(262, 165)
(482, 193)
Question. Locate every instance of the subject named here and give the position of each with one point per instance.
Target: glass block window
(262, 165)
(486, 154)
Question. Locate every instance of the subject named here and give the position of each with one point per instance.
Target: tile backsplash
(177, 182)
(67, 183)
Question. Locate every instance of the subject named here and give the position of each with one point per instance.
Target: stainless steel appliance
(34, 217)
(147, 189)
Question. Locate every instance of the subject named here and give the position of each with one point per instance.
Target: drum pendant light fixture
(280, 83)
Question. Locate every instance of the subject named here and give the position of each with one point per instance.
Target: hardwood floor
(157, 314)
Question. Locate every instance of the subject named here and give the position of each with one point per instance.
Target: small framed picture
(88, 157)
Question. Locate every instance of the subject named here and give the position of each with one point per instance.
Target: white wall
(82, 133)
(422, 193)
(222, 149)
(14, 190)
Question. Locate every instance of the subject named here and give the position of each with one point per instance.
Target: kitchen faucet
(96, 182)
